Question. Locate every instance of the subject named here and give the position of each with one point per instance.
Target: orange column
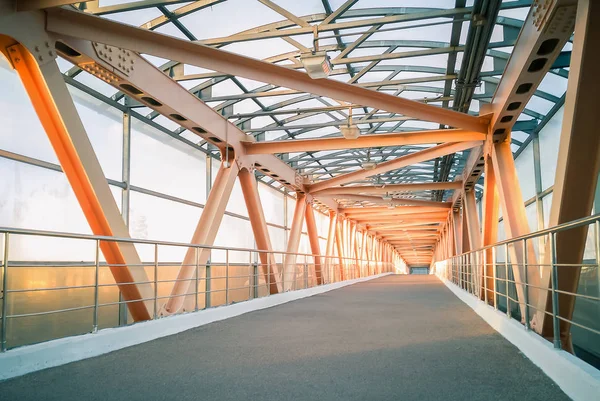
(313, 237)
(259, 228)
(57, 113)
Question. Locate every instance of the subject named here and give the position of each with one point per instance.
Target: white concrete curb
(23, 360)
(576, 378)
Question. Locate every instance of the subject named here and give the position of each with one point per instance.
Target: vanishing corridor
(393, 338)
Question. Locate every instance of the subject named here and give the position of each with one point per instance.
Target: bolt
(47, 44)
(40, 58)
(17, 60)
(37, 49)
(50, 53)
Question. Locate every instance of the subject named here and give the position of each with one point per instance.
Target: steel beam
(364, 141)
(313, 238)
(378, 200)
(205, 234)
(330, 244)
(515, 219)
(545, 31)
(57, 113)
(370, 189)
(289, 264)
(577, 170)
(399, 162)
(470, 210)
(259, 228)
(490, 203)
(76, 24)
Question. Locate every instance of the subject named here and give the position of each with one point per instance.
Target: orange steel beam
(470, 207)
(515, 218)
(151, 87)
(490, 209)
(397, 210)
(364, 141)
(378, 200)
(205, 234)
(330, 245)
(399, 162)
(77, 24)
(457, 232)
(289, 265)
(313, 237)
(370, 189)
(57, 113)
(340, 248)
(363, 238)
(577, 169)
(259, 228)
(545, 31)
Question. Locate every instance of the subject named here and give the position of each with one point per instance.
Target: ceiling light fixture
(368, 164)
(316, 63)
(350, 131)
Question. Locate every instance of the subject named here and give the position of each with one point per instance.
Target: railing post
(96, 275)
(226, 276)
(197, 274)
(506, 279)
(526, 289)
(494, 273)
(4, 294)
(554, 280)
(207, 285)
(255, 280)
(269, 277)
(306, 272)
(155, 280)
(484, 271)
(251, 275)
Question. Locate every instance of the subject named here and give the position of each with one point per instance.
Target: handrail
(60, 234)
(551, 230)
(233, 281)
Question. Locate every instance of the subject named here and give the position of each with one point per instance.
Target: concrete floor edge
(579, 380)
(32, 358)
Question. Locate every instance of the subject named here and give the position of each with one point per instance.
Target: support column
(57, 113)
(362, 251)
(515, 219)
(457, 227)
(329, 261)
(125, 192)
(205, 233)
(577, 168)
(259, 228)
(490, 203)
(313, 237)
(289, 265)
(340, 248)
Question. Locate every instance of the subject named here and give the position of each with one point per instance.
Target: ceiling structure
(446, 53)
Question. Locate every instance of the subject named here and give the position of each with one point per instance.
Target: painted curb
(576, 378)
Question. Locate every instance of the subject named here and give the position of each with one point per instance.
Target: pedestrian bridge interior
(318, 199)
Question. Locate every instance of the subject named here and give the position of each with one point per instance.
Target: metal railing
(495, 275)
(40, 294)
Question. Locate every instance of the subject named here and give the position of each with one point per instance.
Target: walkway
(394, 338)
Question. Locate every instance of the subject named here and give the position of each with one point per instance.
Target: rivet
(110, 59)
(50, 53)
(47, 44)
(40, 58)
(37, 48)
